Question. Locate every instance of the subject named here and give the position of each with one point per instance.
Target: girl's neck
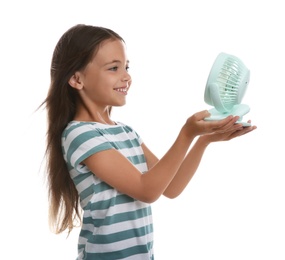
(86, 115)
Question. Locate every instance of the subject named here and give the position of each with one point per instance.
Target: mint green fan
(225, 88)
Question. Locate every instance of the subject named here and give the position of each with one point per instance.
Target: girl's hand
(231, 133)
(196, 125)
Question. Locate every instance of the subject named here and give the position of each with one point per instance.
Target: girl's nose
(127, 77)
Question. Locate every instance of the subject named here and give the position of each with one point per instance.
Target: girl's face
(105, 81)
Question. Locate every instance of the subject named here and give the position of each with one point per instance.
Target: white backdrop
(234, 206)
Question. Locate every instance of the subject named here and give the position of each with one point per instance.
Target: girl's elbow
(171, 195)
(149, 197)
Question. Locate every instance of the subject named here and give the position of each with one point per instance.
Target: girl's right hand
(196, 125)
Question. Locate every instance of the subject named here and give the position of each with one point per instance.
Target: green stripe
(117, 218)
(96, 149)
(120, 236)
(127, 216)
(136, 250)
(124, 144)
(111, 131)
(137, 159)
(102, 186)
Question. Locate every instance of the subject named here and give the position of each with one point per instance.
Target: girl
(102, 166)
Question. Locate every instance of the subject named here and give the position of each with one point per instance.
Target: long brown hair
(73, 52)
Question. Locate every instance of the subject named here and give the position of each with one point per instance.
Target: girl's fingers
(224, 125)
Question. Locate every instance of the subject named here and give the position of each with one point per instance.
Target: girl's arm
(191, 162)
(116, 170)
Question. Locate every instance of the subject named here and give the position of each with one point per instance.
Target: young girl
(103, 166)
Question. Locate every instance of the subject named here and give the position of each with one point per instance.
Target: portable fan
(225, 88)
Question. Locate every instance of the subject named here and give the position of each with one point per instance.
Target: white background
(234, 206)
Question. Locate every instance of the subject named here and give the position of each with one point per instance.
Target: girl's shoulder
(79, 127)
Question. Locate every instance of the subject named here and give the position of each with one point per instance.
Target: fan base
(238, 110)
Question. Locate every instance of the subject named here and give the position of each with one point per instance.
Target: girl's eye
(114, 68)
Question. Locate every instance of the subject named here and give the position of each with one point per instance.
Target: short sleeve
(81, 142)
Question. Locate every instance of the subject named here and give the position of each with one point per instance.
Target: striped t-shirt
(114, 225)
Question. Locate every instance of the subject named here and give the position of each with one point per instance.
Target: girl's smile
(123, 90)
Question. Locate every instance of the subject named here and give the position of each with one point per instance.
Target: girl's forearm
(158, 178)
(187, 169)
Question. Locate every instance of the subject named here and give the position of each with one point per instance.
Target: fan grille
(229, 79)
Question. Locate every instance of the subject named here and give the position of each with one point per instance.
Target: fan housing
(226, 86)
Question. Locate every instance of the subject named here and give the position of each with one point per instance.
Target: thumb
(202, 114)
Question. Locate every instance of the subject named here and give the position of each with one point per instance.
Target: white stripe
(139, 257)
(104, 195)
(118, 227)
(120, 208)
(142, 167)
(84, 184)
(86, 146)
(120, 245)
(131, 151)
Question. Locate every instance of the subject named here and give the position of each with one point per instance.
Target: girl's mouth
(122, 90)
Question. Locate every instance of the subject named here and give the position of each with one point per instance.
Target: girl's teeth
(121, 89)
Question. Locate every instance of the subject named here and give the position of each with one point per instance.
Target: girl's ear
(75, 81)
